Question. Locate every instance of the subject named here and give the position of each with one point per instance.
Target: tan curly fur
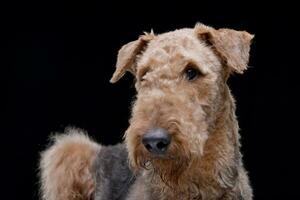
(203, 160)
(66, 167)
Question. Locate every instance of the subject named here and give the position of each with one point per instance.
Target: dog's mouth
(160, 160)
(157, 158)
(166, 168)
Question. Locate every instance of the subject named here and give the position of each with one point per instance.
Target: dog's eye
(191, 73)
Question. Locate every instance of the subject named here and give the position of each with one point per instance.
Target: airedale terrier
(183, 140)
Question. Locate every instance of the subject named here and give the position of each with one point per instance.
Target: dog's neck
(217, 168)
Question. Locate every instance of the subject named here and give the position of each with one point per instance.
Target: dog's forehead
(178, 37)
(173, 42)
(175, 47)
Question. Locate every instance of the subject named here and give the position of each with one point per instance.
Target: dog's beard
(170, 171)
(168, 168)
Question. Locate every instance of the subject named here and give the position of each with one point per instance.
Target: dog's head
(181, 91)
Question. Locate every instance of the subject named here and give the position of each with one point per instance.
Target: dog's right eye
(191, 73)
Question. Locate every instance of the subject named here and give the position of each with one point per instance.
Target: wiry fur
(203, 160)
(66, 167)
(113, 176)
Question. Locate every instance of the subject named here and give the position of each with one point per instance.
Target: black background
(57, 59)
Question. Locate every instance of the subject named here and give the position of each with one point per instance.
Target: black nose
(156, 140)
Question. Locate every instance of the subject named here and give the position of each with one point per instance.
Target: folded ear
(232, 46)
(127, 56)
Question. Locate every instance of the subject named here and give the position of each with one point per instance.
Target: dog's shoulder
(112, 172)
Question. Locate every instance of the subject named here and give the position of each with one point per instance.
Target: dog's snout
(157, 140)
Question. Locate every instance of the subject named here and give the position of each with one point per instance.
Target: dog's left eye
(191, 73)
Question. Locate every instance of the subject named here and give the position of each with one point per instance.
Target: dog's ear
(232, 46)
(127, 56)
